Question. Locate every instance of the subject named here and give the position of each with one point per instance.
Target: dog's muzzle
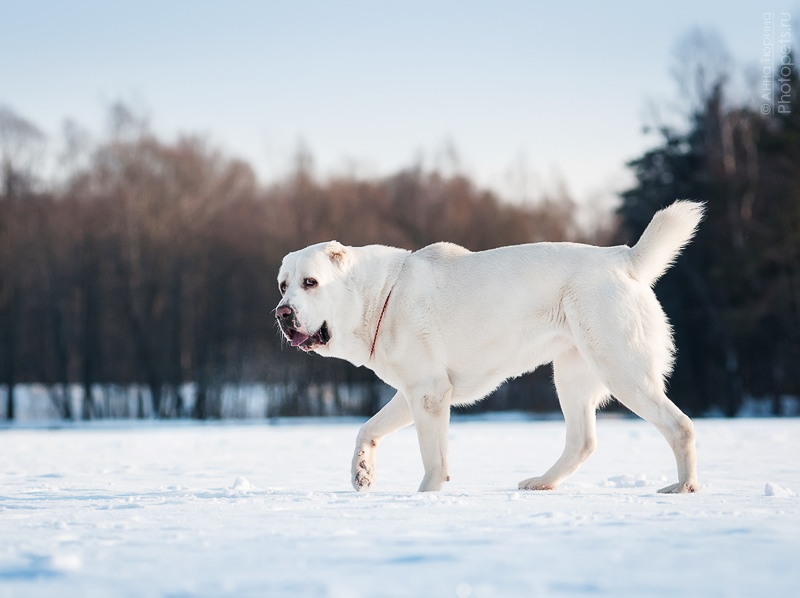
(289, 326)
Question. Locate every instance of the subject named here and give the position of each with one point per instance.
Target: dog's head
(313, 310)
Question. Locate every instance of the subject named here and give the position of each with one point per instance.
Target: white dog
(445, 326)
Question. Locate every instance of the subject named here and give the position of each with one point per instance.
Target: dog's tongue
(298, 338)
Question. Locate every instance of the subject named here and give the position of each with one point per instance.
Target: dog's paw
(434, 481)
(679, 488)
(363, 472)
(535, 484)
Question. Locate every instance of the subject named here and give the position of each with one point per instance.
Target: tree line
(151, 263)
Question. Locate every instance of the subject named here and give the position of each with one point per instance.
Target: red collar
(378, 327)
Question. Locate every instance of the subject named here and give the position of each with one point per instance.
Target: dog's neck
(375, 293)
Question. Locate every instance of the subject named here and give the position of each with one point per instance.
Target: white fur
(459, 323)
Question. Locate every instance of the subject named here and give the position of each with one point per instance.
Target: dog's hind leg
(395, 414)
(633, 362)
(649, 402)
(580, 392)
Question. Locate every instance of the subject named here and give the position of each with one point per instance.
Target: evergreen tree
(733, 296)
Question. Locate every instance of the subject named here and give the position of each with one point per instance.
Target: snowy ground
(267, 510)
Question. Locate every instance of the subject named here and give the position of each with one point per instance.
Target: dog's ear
(338, 254)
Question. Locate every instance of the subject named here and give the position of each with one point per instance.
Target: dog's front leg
(431, 412)
(394, 415)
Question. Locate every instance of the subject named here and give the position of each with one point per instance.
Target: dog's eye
(309, 283)
(282, 288)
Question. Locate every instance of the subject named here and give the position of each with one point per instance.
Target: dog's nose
(284, 312)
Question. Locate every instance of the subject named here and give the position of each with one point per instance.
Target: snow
(267, 510)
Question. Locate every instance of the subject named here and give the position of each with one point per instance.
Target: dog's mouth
(305, 342)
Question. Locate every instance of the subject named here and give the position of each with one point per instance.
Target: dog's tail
(667, 234)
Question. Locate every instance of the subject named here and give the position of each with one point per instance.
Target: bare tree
(701, 63)
(21, 147)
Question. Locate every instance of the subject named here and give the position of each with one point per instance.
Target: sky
(518, 95)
